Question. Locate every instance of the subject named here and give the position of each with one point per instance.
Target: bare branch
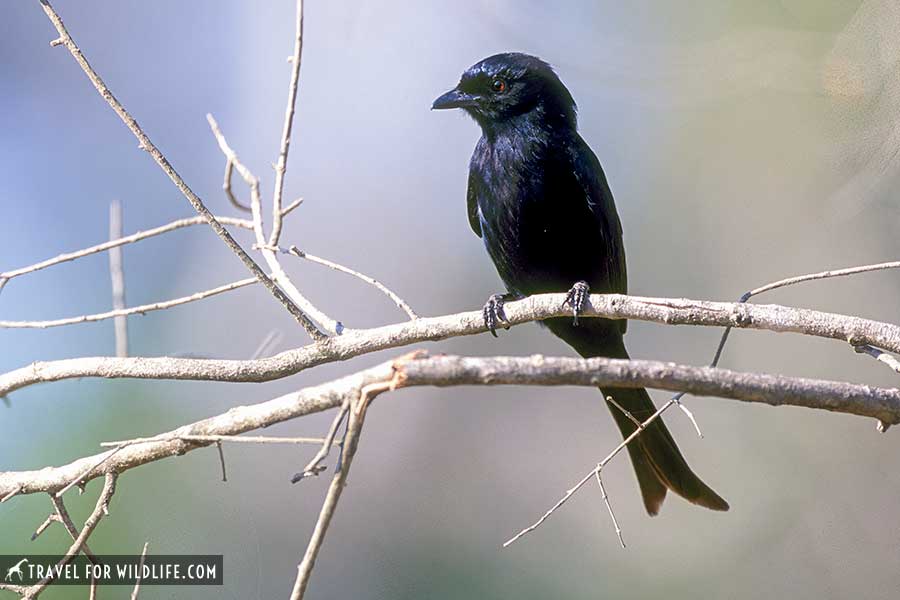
(612, 515)
(129, 239)
(134, 310)
(795, 280)
(117, 275)
(784, 283)
(16, 589)
(170, 171)
(821, 275)
(226, 186)
(83, 477)
(281, 165)
(244, 439)
(594, 472)
(350, 444)
(353, 343)
(13, 492)
(400, 302)
(270, 257)
(314, 467)
(100, 510)
(66, 519)
(50, 520)
(775, 390)
(137, 583)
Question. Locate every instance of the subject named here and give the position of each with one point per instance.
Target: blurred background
(744, 140)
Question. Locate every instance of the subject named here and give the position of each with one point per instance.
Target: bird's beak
(453, 99)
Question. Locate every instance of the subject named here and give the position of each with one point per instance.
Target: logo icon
(16, 569)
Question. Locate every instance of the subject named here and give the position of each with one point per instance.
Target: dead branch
(66, 40)
(128, 239)
(281, 165)
(278, 272)
(134, 310)
(100, 510)
(117, 277)
(671, 311)
(775, 390)
(396, 299)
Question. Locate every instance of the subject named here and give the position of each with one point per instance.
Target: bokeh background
(745, 141)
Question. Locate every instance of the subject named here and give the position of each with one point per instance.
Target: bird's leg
(576, 298)
(493, 312)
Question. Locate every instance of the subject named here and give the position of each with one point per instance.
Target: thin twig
(795, 280)
(612, 515)
(627, 413)
(222, 459)
(13, 492)
(821, 275)
(400, 302)
(16, 589)
(170, 171)
(51, 519)
(128, 239)
(66, 519)
(137, 582)
(117, 275)
(571, 491)
(677, 400)
(350, 443)
(100, 510)
(314, 466)
(243, 439)
(226, 185)
(134, 310)
(271, 259)
(83, 478)
(281, 165)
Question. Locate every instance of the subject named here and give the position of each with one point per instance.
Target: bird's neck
(540, 125)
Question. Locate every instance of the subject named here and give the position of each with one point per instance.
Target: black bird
(539, 199)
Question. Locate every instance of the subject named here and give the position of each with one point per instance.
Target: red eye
(498, 85)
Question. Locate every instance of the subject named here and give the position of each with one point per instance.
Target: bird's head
(505, 86)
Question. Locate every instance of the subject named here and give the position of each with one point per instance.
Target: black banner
(111, 569)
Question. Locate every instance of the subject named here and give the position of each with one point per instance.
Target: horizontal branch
(128, 239)
(420, 370)
(855, 330)
(133, 310)
(137, 236)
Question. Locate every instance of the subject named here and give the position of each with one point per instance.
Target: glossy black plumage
(539, 199)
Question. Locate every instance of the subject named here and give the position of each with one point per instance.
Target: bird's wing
(597, 194)
(472, 204)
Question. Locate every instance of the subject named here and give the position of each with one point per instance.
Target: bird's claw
(493, 313)
(576, 299)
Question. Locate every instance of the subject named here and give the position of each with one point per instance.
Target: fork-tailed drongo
(540, 201)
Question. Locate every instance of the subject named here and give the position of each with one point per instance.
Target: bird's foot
(576, 299)
(493, 312)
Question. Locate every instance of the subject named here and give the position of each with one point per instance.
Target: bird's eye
(498, 85)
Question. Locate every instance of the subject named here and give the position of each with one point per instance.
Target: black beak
(454, 99)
